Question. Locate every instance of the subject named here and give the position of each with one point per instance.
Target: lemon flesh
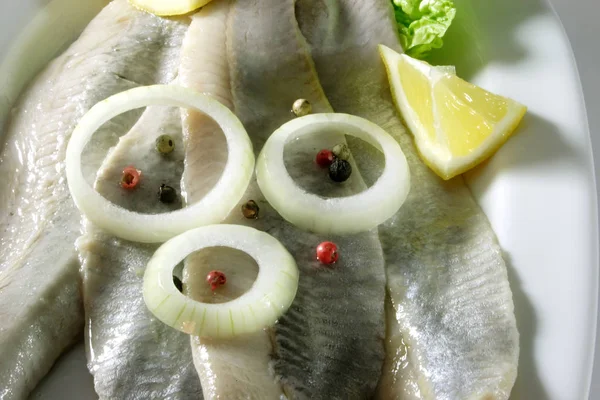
(456, 125)
(169, 7)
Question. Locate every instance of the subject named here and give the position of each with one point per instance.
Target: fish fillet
(40, 301)
(316, 344)
(453, 330)
(131, 354)
(329, 345)
(236, 368)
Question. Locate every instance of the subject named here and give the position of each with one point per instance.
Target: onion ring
(154, 228)
(341, 215)
(269, 297)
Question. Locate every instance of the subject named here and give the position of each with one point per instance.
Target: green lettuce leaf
(422, 23)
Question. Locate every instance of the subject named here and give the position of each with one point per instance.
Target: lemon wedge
(456, 125)
(168, 7)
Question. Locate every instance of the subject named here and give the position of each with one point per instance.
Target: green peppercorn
(165, 144)
(301, 107)
(178, 283)
(340, 170)
(250, 210)
(167, 194)
(341, 151)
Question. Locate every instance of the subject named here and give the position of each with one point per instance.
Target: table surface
(579, 18)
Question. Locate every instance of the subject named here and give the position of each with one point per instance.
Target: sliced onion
(153, 228)
(269, 297)
(340, 215)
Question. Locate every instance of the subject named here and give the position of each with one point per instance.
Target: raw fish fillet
(40, 291)
(329, 345)
(131, 354)
(452, 332)
(235, 368)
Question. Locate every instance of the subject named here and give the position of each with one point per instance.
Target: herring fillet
(40, 300)
(203, 67)
(329, 345)
(446, 277)
(131, 354)
(235, 368)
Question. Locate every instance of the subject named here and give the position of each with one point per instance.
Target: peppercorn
(164, 144)
(340, 170)
(130, 178)
(327, 253)
(324, 158)
(216, 279)
(250, 209)
(167, 194)
(341, 151)
(301, 107)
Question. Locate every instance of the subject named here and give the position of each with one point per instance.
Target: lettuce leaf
(422, 23)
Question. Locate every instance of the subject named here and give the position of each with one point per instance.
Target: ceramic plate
(538, 190)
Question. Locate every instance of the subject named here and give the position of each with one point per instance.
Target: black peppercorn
(340, 170)
(166, 194)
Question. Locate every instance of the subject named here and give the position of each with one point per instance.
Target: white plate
(538, 191)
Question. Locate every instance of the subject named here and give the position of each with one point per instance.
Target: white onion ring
(153, 228)
(340, 215)
(269, 297)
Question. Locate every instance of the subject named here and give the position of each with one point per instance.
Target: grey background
(580, 19)
(582, 24)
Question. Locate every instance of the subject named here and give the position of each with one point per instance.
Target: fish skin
(446, 276)
(235, 368)
(40, 288)
(131, 354)
(203, 67)
(329, 344)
